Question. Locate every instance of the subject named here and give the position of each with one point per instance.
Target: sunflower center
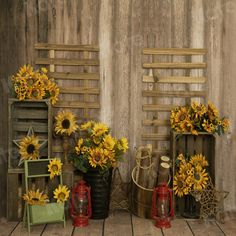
(30, 81)
(35, 199)
(65, 124)
(35, 93)
(61, 196)
(30, 148)
(54, 168)
(180, 184)
(197, 176)
(182, 117)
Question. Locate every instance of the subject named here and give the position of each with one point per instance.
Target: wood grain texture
(95, 227)
(228, 227)
(122, 30)
(57, 229)
(178, 228)
(21, 230)
(6, 227)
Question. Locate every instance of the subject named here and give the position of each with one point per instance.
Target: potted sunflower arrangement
(40, 208)
(191, 174)
(198, 118)
(29, 83)
(96, 153)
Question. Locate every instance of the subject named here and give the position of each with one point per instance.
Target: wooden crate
(22, 116)
(189, 144)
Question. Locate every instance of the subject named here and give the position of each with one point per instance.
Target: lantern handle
(171, 203)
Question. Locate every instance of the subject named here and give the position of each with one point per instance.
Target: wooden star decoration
(42, 142)
(211, 201)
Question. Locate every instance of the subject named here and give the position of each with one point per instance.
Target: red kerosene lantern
(162, 206)
(80, 208)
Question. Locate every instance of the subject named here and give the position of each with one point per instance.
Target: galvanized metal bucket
(141, 198)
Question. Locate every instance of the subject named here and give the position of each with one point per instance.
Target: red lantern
(162, 206)
(80, 209)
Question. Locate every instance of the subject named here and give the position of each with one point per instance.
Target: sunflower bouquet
(34, 84)
(198, 118)
(190, 175)
(98, 149)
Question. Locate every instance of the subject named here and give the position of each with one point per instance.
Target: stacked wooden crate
(23, 116)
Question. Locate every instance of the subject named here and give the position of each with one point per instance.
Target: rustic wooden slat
(67, 62)
(174, 65)
(24, 127)
(210, 227)
(159, 107)
(156, 122)
(185, 94)
(161, 152)
(118, 223)
(66, 47)
(21, 230)
(156, 137)
(58, 229)
(95, 227)
(79, 90)
(174, 79)
(57, 149)
(30, 114)
(6, 227)
(74, 104)
(143, 226)
(179, 227)
(174, 51)
(74, 76)
(229, 227)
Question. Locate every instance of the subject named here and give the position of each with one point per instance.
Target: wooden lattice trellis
(171, 77)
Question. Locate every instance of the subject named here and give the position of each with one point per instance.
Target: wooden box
(22, 116)
(189, 144)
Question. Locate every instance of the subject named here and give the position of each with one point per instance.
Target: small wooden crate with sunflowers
(193, 153)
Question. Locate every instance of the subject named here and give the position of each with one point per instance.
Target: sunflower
(212, 112)
(109, 142)
(54, 167)
(61, 193)
(36, 92)
(199, 109)
(35, 198)
(208, 126)
(87, 125)
(29, 148)
(78, 147)
(225, 124)
(179, 186)
(96, 157)
(200, 180)
(54, 92)
(65, 123)
(26, 70)
(198, 159)
(99, 129)
(182, 114)
(186, 169)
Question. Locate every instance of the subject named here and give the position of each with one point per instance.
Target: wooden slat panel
(74, 104)
(174, 51)
(81, 90)
(57, 149)
(67, 62)
(74, 76)
(161, 152)
(6, 227)
(159, 107)
(28, 114)
(24, 127)
(21, 230)
(143, 227)
(210, 227)
(58, 229)
(67, 47)
(229, 227)
(95, 227)
(175, 79)
(178, 228)
(119, 224)
(174, 65)
(156, 137)
(156, 122)
(185, 94)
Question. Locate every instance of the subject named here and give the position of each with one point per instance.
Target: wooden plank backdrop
(122, 29)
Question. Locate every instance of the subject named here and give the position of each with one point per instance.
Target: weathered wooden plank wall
(122, 28)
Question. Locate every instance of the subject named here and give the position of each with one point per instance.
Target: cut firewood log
(164, 159)
(163, 173)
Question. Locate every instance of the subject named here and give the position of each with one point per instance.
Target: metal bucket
(141, 198)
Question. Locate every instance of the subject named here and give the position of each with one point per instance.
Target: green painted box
(51, 212)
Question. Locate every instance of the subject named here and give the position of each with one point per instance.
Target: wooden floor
(123, 223)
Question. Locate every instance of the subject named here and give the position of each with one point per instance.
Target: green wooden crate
(23, 115)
